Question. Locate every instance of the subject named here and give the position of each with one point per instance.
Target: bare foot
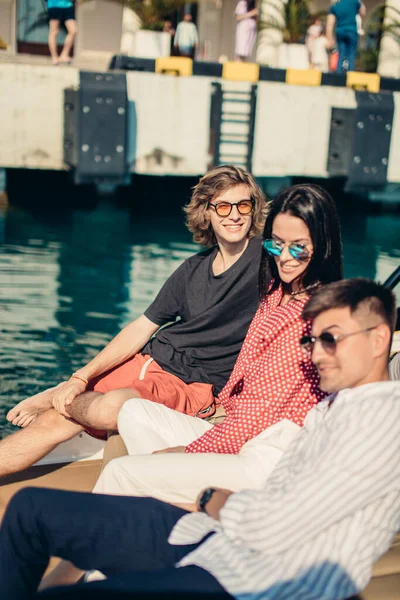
(27, 410)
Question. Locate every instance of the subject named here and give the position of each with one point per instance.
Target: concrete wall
(217, 26)
(130, 25)
(173, 115)
(394, 160)
(8, 22)
(292, 128)
(31, 114)
(173, 119)
(389, 55)
(100, 26)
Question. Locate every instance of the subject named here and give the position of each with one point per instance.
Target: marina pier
(173, 116)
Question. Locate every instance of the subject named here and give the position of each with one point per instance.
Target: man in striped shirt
(327, 512)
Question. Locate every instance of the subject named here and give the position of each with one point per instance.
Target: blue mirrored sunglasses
(275, 248)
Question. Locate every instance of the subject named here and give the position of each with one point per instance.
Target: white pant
(179, 477)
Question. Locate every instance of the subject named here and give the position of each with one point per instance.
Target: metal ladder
(232, 123)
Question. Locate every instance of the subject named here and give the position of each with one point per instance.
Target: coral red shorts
(143, 374)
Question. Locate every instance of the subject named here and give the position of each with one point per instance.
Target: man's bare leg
(54, 28)
(48, 429)
(72, 29)
(22, 449)
(100, 411)
(26, 411)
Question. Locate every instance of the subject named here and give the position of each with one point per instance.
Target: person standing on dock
(208, 302)
(246, 14)
(186, 37)
(61, 12)
(342, 17)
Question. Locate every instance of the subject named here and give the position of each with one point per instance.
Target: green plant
(152, 13)
(383, 20)
(291, 18)
(367, 60)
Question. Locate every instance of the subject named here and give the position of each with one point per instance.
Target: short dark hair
(313, 205)
(358, 294)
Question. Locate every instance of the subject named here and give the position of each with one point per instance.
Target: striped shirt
(325, 515)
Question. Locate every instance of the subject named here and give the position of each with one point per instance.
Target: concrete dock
(292, 120)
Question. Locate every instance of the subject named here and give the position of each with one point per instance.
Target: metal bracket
(359, 141)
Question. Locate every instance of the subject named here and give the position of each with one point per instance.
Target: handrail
(393, 279)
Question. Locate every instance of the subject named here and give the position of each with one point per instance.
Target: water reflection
(69, 282)
(371, 244)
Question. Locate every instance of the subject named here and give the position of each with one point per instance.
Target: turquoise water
(70, 281)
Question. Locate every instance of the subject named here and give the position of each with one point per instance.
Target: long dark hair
(316, 208)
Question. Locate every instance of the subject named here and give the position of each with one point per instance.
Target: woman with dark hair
(315, 207)
(246, 29)
(271, 388)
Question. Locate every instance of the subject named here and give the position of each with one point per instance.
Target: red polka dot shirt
(272, 379)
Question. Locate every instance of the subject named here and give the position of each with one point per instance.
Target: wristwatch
(205, 498)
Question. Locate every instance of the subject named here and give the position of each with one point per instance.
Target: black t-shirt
(214, 314)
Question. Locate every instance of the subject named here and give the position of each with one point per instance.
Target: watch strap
(205, 498)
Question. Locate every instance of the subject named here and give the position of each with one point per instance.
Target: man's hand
(173, 449)
(216, 502)
(66, 393)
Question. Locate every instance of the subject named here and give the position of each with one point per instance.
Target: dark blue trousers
(124, 537)
(347, 48)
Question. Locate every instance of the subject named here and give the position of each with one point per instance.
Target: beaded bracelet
(83, 379)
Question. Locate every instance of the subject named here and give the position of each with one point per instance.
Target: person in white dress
(246, 29)
(319, 53)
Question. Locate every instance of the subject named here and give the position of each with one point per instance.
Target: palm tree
(152, 13)
(384, 20)
(291, 18)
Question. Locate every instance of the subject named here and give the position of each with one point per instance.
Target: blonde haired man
(210, 301)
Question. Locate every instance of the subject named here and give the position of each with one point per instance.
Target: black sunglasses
(224, 209)
(328, 340)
